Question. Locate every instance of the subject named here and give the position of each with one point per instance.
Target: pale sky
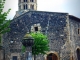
(66, 6)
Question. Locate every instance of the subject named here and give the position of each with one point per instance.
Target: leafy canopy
(4, 24)
(40, 43)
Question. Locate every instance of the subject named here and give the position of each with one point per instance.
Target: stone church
(62, 30)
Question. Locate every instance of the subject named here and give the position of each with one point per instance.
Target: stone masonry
(62, 30)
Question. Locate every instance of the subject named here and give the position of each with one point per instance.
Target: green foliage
(40, 43)
(4, 24)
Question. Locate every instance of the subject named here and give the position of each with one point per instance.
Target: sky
(66, 6)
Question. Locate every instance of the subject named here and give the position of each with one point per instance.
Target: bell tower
(25, 6)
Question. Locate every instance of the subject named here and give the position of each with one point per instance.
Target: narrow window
(19, 7)
(26, 1)
(31, 0)
(32, 6)
(36, 28)
(78, 31)
(26, 6)
(14, 58)
(23, 6)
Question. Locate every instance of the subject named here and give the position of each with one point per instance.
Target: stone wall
(54, 25)
(2, 53)
(74, 23)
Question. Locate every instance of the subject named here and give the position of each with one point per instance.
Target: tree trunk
(34, 57)
(0, 39)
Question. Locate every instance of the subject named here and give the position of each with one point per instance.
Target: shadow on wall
(78, 53)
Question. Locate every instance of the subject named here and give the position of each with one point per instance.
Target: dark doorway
(52, 56)
(14, 58)
(78, 54)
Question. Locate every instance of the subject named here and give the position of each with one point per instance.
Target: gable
(20, 25)
(26, 20)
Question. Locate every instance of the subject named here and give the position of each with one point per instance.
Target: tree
(4, 24)
(40, 44)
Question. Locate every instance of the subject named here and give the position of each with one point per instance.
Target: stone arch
(78, 53)
(54, 54)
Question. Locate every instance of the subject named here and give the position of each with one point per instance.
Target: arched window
(26, 6)
(52, 56)
(19, 7)
(31, 0)
(25, 0)
(32, 7)
(78, 53)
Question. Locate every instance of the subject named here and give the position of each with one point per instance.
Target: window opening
(19, 7)
(25, 0)
(36, 28)
(14, 57)
(31, 0)
(78, 31)
(32, 6)
(26, 6)
(23, 6)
